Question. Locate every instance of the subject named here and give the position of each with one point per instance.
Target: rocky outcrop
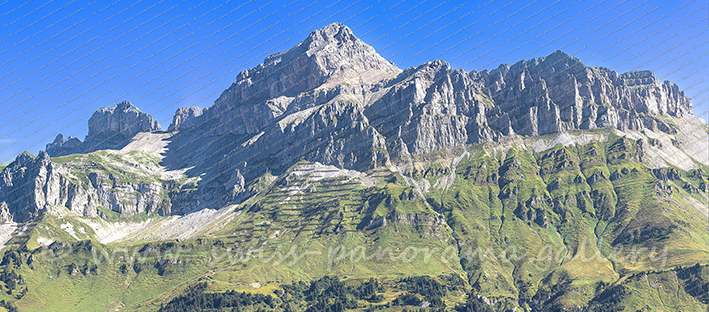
(22, 191)
(62, 146)
(109, 128)
(119, 123)
(122, 197)
(559, 93)
(186, 118)
(31, 185)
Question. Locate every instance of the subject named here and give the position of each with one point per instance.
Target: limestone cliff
(31, 185)
(109, 128)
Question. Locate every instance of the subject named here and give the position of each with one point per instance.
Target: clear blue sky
(62, 59)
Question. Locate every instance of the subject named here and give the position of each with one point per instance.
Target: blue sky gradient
(61, 60)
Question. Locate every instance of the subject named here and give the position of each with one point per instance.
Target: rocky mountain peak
(119, 122)
(556, 63)
(335, 33)
(328, 57)
(63, 146)
(559, 56)
(109, 128)
(344, 58)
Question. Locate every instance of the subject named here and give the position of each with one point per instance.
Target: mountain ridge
(541, 155)
(388, 117)
(522, 79)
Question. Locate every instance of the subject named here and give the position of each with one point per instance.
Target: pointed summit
(556, 59)
(328, 57)
(344, 58)
(558, 54)
(560, 57)
(335, 33)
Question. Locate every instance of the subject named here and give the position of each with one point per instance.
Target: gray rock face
(558, 93)
(62, 146)
(122, 197)
(109, 128)
(329, 57)
(433, 106)
(332, 99)
(337, 133)
(31, 185)
(186, 118)
(119, 122)
(22, 191)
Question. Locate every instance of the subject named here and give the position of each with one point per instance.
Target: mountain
(542, 185)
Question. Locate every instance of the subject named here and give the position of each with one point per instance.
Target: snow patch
(44, 241)
(69, 228)
(317, 171)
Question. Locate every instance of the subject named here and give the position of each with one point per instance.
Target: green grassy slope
(578, 226)
(584, 214)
